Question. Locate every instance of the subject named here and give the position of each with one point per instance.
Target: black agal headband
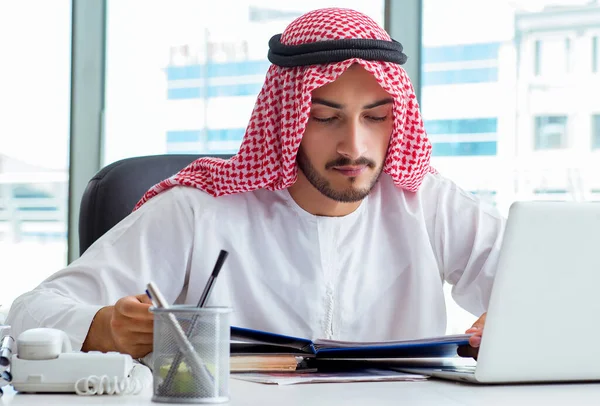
(321, 52)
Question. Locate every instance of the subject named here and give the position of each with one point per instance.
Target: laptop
(543, 321)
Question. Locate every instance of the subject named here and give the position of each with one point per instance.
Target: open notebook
(261, 342)
(255, 350)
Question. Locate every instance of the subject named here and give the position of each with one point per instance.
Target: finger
(475, 341)
(126, 327)
(142, 339)
(143, 298)
(138, 326)
(474, 330)
(129, 340)
(132, 307)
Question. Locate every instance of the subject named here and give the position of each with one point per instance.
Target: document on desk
(291, 378)
(336, 364)
(428, 347)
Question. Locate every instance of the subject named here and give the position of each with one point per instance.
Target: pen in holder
(201, 303)
(173, 331)
(210, 330)
(209, 335)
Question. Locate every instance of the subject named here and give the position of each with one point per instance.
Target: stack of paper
(266, 363)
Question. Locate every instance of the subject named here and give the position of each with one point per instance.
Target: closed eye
(376, 118)
(325, 119)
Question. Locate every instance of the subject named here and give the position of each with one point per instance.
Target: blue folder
(267, 342)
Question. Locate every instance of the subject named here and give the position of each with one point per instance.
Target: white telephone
(45, 362)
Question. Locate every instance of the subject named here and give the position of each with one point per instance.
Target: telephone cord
(140, 378)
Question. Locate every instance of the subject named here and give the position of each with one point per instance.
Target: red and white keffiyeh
(267, 155)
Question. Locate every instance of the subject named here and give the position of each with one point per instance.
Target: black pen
(212, 278)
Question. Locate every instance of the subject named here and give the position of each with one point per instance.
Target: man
(337, 226)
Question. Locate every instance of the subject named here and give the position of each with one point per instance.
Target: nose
(353, 142)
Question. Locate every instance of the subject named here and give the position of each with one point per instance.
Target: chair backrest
(114, 191)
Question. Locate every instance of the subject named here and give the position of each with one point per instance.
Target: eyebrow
(328, 103)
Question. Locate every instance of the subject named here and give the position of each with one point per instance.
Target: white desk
(432, 392)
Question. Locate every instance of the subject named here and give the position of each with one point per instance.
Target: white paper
(321, 343)
(292, 378)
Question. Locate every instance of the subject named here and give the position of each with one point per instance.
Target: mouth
(350, 171)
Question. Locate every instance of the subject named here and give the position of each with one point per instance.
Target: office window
(537, 58)
(461, 53)
(463, 137)
(595, 54)
(568, 55)
(488, 196)
(552, 56)
(460, 64)
(458, 76)
(35, 40)
(462, 126)
(552, 195)
(182, 76)
(550, 132)
(596, 131)
(482, 129)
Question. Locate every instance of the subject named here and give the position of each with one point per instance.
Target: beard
(351, 193)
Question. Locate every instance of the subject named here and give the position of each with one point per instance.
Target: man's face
(347, 135)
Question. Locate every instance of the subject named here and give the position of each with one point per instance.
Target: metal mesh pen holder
(191, 354)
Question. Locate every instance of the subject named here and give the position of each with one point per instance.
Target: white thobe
(375, 274)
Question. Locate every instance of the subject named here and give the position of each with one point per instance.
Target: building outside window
(595, 55)
(550, 132)
(596, 131)
(552, 56)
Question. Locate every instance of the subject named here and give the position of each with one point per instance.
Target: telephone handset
(42, 344)
(45, 362)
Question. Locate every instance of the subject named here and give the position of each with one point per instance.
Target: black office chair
(114, 191)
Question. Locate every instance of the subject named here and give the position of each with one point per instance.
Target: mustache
(343, 161)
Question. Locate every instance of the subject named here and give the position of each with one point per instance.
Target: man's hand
(472, 350)
(126, 327)
(132, 325)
